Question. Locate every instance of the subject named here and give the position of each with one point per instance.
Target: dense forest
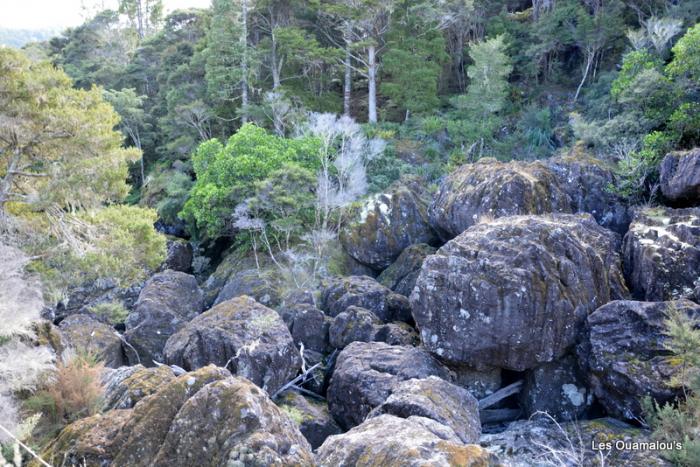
(353, 165)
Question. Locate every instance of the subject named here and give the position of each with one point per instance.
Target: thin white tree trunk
(372, 83)
(347, 88)
(244, 62)
(590, 55)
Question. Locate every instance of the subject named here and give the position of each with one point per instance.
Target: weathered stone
(662, 253)
(402, 274)
(396, 334)
(355, 324)
(586, 180)
(262, 285)
(438, 400)
(389, 441)
(248, 338)
(125, 386)
(515, 292)
(83, 298)
(378, 231)
(312, 417)
(480, 383)
(308, 325)
(179, 256)
(168, 301)
(366, 373)
(626, 355)
(680, 177)
(490, 189)
(523, 443)
(557, 388)
(85, 334)
(365, 292)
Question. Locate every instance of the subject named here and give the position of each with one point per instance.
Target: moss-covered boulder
(363, 291)
(389, 441)
(401, 275)
(308, 325)
(384, 225)
(127, 385)
(515, 292)
(662, 253)
(312, 417)
(248, 338)
(85, 334)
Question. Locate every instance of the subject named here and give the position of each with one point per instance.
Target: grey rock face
(308, 325)
(515, 292)
(626, 356)
(313, 418)
(168, 301)
(402, 274)
(680, 177)
(384, 226)
(179, 256)
(355, 324)
(365, 292)
(662, 253)
(366, 373)
(248, 338)
(438, 400)
(85, 334)
(261, 285)
(127, 385)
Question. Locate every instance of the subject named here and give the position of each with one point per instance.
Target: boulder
(586, 180)
(389, 441)
(480, 383)
(262, 285)
(490, 189)
(662, 253)
(379, 230)
(364, 292)
(308, 325)
(540, 441)
(312, 417)
(557, 388)
(626, 356)
(402, 274)
(438, 400)
(168, 300)
(366, 373)
(242, 335)
(179, 256)
(680, 177)
(80, 300)
(125, 386)
(355, 324)
(515, 292)
(396, 333)
(85, 334)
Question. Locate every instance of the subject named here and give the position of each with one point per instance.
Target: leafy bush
(113, 312)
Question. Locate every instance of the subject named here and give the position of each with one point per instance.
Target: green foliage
(113, 312)
(686, 57)
(638, 172)
(633, 64)
(227, 175)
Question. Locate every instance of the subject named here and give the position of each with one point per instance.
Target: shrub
(113, 312)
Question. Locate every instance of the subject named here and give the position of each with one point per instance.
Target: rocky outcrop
(438, 400)
(539, 441)
(312, 417)
(206, 415)
(125, 386)
(626, 355)
(259, 284)
(246, 337)
(662, 253)
(364, 292)
(308, 325)
(366, 373)
(379, 230)
(168, 301)
(84, 334)
(557, 388)
(490, 189)
(515, 292)
(402, 274)
(83, 298)
(680, 177)
(389, 441)
(179, 256)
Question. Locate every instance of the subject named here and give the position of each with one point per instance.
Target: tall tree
(145, 15)
(133, 124)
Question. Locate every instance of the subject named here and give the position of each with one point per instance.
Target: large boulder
(626, 354)
(389, 441)
(662, 253)
(680, 177)
(364, 292)
(168, 300)
(179, 255)
(540, 441)
(262, 285)
(312, 416)
(438, 400)
(587, 180)
(125, 386)
(355, 324)
(206, 418)
(490, 189)
(558, 388)
(379, 230)
(515, 292)
(81, 299)
(402, 274)
(84, 334)
(242, 335)
(366, 373)
(308, 325)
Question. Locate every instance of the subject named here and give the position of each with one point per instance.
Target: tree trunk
(275, 67)
(244, 63)
(372, 83)
(590, 55)
(347, 87)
